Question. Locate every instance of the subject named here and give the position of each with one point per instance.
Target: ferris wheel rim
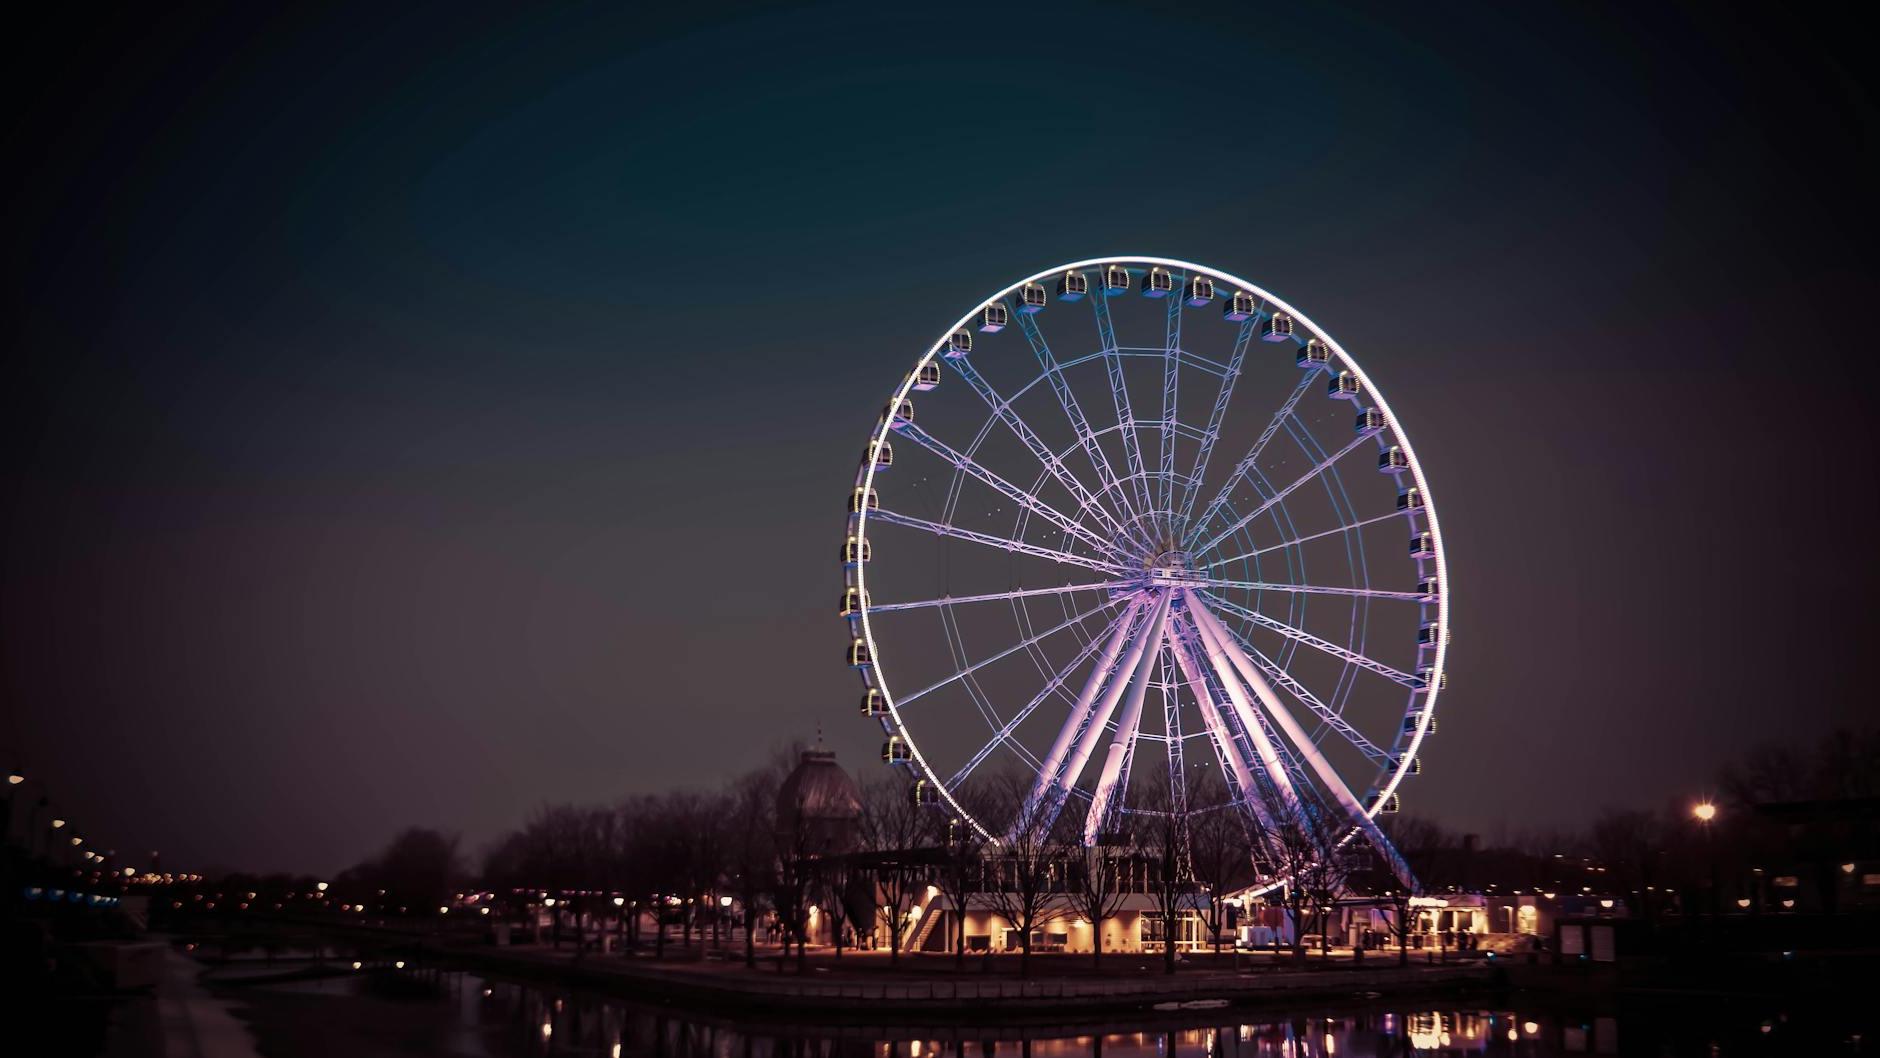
(1375, 397)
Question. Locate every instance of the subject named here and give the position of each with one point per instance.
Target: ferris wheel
(1144, 534)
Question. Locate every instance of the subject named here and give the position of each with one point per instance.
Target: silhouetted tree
(1161, 832)
(1024, 876)
(960, 864)
(891, 832)
(1221, 846)
(1100, 881)
(751, 847)
(418, 869)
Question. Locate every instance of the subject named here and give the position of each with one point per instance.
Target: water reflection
(510, 1020)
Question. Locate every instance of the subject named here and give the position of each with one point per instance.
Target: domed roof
(819, 789)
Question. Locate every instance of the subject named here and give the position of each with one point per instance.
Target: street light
(1704, 811)
(14, 778)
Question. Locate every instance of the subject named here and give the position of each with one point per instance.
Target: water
(464, 1015)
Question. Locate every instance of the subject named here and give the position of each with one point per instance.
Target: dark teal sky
(414, 418)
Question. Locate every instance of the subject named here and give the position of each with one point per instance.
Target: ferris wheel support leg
(1126, 727)
(1086, 699)
(1327, 775)
(1270, 760)
(1086, 744)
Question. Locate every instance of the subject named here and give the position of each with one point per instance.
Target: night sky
(413, 418)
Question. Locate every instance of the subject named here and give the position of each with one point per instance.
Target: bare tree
(1323, 878)
(792, 886)
(1024, 878)
(892, 828)
(959, 863)
(416, 869)
(1295, 849)
(1161, 832)
(1221, 848)
(1100, 880)
(751, 847)
(1626, 844)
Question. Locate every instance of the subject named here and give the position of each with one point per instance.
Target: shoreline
(907, 992)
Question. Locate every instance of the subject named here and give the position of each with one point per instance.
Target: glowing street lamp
(14, 778)
(1704, 811)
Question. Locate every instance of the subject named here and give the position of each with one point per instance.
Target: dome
(818, 805)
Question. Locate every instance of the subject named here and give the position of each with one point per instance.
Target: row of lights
(17, 777)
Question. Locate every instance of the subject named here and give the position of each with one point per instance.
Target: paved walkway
(190, 1022)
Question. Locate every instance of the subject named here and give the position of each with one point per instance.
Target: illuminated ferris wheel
(1143, 532)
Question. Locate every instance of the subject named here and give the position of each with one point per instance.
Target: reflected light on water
(519, 1021)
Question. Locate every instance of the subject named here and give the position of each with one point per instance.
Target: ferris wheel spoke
(1119, 398)
(1089, 717)
(1266, 748)
(1123, 743)
(957, 643)
(1027, 500)
(1171, 382)
(1325, 645)
(1212, 435)
(1000, 542)
(1247, 660)
(1080, 425)
(1085, 702)
(1329, 781)
(1171, 729)
(1056, 682)
(1318, 468)
(1306, 589)
(1230, 749)
(1002, 410)
(1253, 456)
(1296, 541)
(1024, 644)
(997, 596)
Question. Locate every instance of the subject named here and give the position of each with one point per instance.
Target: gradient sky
(417, 417)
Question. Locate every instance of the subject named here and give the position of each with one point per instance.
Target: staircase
(923, 929)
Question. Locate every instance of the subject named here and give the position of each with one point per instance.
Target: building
(819, 808)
